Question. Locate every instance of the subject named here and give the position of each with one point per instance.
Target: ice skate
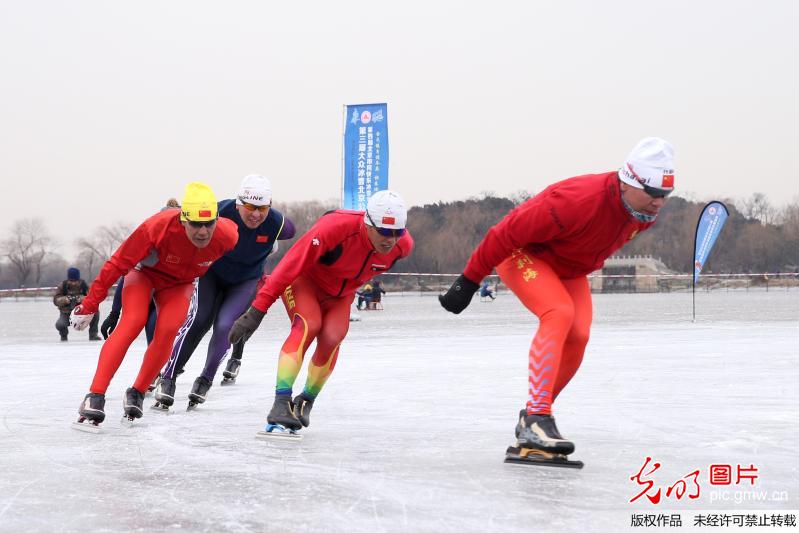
(91, 413)
(231, 372)
(164, 394)
(302, 408)
(132, 403)
(199, 392)
(281, 422)
(539, 442)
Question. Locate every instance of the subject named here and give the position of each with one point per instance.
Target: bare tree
(303, 214)
(759, 208)
(29, 244)
(95, 250)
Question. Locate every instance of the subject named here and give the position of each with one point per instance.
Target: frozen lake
(410, 431)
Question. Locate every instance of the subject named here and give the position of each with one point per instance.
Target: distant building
(636, 273)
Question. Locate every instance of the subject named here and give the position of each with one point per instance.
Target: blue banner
(712, 219)
(365, 154)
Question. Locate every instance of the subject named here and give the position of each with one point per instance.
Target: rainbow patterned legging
(313, 315)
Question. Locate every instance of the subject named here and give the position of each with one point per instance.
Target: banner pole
(693, 266)
(343, 150)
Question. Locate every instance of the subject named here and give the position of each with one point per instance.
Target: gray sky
(109, 108)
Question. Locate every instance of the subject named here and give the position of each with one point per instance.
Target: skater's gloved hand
(79, 319)
(459, 296)
(245, 325)
(109, 324)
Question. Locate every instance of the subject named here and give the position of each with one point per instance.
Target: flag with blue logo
(365, 154)
(712, 219)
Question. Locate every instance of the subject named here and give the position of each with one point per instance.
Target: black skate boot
(132, 404)
(282, 413)
(539, 432)
(64, 337)
(199, 391)
(540, 443)
(302, 408)
(231, 372)
(91, 413)
(92, 408)
(164, 394)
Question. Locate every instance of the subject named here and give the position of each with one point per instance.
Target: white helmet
(386, 209)
(256, 190)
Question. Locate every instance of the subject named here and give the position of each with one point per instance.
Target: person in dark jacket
(69, 294)
(228, 287)
(485, 291)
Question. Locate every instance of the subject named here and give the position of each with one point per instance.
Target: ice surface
(410, 431)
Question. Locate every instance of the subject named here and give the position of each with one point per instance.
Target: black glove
(459, 296)
(245, 325)
(109, 324)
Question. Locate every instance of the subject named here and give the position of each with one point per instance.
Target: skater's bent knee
(562, 314)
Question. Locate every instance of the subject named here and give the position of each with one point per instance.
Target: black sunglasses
(655, 192)
(206, 224)
(385, 232)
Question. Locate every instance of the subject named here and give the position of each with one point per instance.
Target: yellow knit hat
(199, 203)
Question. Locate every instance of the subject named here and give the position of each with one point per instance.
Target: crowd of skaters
(201, 266)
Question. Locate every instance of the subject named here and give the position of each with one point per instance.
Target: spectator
(69, 294)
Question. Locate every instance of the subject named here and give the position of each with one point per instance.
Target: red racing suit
(163, 252)
(317, 280)
(573, 225)
(336, 255)
(166, 263)
(543, 250)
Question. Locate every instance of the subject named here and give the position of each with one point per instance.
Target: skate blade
(130, 423)
(158, 407)
(192, 406)
(87, 427)
(278, 432)
(526, 456)
(227, 382)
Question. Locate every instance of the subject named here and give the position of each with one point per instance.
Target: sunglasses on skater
(386, 232)
(206, 224)
(253, 207)
(654, 192)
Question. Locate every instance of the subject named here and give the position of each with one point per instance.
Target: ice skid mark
(20, 491)
(748, 444)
